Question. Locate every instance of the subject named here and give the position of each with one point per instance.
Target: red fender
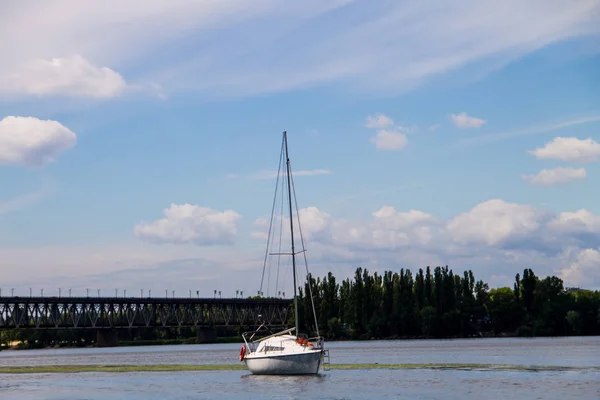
(242, 352)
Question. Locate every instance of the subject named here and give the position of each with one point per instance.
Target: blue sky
(108, 119)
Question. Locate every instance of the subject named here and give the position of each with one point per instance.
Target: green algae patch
(69, 369)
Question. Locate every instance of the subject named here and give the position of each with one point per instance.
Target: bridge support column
(206, 335)
(106, 338)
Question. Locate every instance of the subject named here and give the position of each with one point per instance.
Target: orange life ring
(242, 352)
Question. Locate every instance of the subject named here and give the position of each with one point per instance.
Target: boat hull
(304, 363)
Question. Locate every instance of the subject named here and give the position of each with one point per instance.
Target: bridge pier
(206, 335)
(106, 338)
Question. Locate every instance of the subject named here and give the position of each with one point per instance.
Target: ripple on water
(344, 384)
(573, 380)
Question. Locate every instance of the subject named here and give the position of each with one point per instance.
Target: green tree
(505, 310)
(574, 322)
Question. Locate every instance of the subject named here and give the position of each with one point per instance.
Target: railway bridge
(108, 314)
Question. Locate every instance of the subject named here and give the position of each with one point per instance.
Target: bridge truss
(107, 312)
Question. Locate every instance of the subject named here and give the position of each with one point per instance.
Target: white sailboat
(287, 352)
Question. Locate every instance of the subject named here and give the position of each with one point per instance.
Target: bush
(524, 331)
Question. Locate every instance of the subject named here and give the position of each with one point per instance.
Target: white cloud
(556, 176)
(379, 121)
(312, 220)
(236, 47)
(31, 141)
(389, 135)
(389, 140)
(261, 222)
(495, 237)
(393, 219)
(579, 221)
(191, 224)
(493, 222)
(569, 149)
(74, 76)
(388, 229)
(393, 228)
(462, 120)
(584, 271)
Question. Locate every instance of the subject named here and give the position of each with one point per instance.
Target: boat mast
(289, 172)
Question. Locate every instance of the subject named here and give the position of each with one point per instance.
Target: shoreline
(236, 340)
(222, 340)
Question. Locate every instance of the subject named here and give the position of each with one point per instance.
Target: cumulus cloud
(579, 221)
(496, 234)
(556, 176)
(389, 140)
(463, 120)
(313, 220)
(389, 228)
(584, 270)
(33, 142)
(191, 224)
(389, 135)
(493, 222)
(569, 149)
(73, 76)
(379, 121)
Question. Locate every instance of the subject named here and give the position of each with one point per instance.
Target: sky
(139, 140)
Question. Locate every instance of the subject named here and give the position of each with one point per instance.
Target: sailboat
(287, 352)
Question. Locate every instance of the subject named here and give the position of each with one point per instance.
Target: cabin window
(273, 348)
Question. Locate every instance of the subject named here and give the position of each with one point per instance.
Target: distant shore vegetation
(436, 303)
(432, 303)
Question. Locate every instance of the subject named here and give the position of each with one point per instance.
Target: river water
(580, 379)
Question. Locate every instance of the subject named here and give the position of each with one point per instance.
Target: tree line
(440, 304)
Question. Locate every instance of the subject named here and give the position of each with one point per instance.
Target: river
(578, 379)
